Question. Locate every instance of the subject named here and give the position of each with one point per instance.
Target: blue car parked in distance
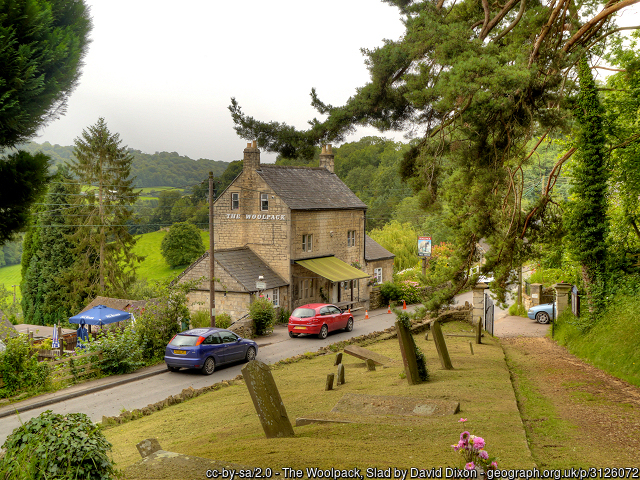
(207, 348)
(543, 313)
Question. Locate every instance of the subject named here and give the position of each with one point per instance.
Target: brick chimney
(326, 158)
(251, 159)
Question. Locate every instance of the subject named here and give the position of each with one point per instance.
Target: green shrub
(409, 292)
(283, 315)
(517, 310)
(56, 446)
(263, 315)
(223, 320)
(121, 350)
(201, 319)
(19, 369)
(389, 291)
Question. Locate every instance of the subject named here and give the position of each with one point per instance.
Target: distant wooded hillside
(149, 170)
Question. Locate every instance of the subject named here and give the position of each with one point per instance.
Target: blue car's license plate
(180, 352)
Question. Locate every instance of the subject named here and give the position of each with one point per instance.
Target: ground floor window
(275, 297)
(377, 275)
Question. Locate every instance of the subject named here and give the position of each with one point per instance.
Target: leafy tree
(43, 43)
(166, 201)
(479, 81)
(401, 240)
(103, 245)
(182, 210)
(182, 244)
(228, 176)
(45, 298)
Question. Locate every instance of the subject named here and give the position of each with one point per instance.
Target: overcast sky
(162, 73)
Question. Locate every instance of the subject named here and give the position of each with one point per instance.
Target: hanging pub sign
(424, 246)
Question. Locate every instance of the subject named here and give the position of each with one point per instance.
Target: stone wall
(329, 229)
(267, 232)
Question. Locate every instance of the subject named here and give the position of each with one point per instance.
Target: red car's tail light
(200, 340)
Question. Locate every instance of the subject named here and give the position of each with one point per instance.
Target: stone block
(371, 365)
(338, 359)
(148, 446)
(340, 375)
(329, 385)
(408, 351)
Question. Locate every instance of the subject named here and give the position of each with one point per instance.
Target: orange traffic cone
(389, 311)
(349, 310)
(404, 304)
(366, 314)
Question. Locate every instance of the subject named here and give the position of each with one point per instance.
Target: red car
(319, 319)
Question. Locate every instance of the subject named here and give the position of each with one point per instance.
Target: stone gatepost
(266, 400)
(536, 293)
(478, 301)
(563, 297)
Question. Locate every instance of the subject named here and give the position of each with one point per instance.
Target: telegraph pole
(212, 290)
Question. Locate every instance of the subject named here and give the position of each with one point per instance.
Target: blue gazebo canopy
(100, 315)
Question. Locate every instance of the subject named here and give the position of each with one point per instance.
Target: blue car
(542, 313)
(207, 348)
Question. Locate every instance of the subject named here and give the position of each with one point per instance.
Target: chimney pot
(326, 158)
(254, 144)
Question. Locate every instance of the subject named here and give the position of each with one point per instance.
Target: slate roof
(245, 266)
(117, 303)
(304, 188)
(374, 251)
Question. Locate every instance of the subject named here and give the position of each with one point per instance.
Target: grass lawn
(154, 267)
(11, 276)
(223, 424)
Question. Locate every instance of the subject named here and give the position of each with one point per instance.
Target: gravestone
(408, 351)
(479, 331)
(329, 384)
(340, 374)
(363, 354)
(266, 400)
(441, 346)
(471, 347)
(338, 358)
(148, 446)
(371, 365)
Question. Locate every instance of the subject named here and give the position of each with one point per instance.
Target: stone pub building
(299, 228)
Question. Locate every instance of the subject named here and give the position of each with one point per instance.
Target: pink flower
(470, 466)
(464, 436)
(483, 454)
(462, 420)
(477, 442)
(494, 465)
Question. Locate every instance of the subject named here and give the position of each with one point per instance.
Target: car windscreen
(303, 313)
(184, 341)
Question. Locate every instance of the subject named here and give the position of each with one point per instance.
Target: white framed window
(275, 297)
(351, 238)
(235, 201)
(264, 201)
(377, 274)
(307, 243)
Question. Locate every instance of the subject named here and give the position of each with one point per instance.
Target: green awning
(332, 269)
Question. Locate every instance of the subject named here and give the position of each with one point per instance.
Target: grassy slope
(612, 343)
(152, 268)
(232, 432)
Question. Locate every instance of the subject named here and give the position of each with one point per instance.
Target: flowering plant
(472, 450)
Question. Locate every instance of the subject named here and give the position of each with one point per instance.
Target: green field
(152, 268)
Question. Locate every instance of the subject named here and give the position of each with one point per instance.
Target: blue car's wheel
(251, 354)
(542, 317)
(209, 366)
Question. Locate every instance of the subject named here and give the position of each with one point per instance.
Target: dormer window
(235, 201)
(264, 201)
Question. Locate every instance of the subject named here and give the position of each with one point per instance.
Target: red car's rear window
(303, 313)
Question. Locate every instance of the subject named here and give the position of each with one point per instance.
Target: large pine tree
(105, 262)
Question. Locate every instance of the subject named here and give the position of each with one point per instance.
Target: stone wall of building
(387, 276)
(329, 229)
(266, 232)
(235, 304)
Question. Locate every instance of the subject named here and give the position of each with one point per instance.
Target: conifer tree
(105, 262)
